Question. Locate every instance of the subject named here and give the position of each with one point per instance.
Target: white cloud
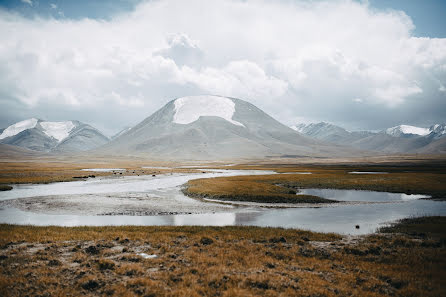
(237, 79)
(29, 2)
(183, 50)
(53, 6)
(300, 58)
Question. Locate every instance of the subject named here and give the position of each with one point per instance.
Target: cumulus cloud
(295, 59)
(183, 50)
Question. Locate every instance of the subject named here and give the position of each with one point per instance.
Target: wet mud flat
(116, 204)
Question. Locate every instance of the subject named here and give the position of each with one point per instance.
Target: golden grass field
(59, 170)
(427, 179)
(222, 261)
(264, 187)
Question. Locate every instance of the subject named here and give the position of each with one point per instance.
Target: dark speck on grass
(90, 285)
(206, 241)
(277, 239)
(92, 250)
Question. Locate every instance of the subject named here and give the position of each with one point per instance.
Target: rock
(270, 265)
(92, 250)
(277, 239)
(206, 241)
(54, 262)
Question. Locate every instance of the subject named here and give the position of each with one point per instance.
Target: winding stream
(148, 200)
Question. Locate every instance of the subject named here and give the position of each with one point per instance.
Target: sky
(364, 65)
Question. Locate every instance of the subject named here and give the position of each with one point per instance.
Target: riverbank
(420, 179)
(225, 261)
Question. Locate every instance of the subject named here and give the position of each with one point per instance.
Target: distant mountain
(67, 136)
(437, 131)
(407, 131)
(121, 132)
(213, 127)
(329, 132)
(398, 139)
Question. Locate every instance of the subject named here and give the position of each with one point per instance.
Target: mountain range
(398, 139)
(44, 136)
(215, 127)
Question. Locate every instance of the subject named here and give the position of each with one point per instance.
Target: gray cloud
(338, 61)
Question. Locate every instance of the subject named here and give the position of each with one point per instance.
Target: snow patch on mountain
(57, 130)
(406, 129)
(19, 127)
(189, 109)
(299, 127)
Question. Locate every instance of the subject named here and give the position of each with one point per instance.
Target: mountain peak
(39, 135)
(19, 127)
(190, 109)
(407, 129)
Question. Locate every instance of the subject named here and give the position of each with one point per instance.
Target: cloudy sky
(360, 64)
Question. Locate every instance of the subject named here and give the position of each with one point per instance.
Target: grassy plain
(222, 261)
(418, 178)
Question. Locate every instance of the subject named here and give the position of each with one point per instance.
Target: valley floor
(408, 259)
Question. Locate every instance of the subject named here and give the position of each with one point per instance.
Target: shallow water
(339, 218)
(103, 169)
(357, 195)
(368, 172)
(124, 184)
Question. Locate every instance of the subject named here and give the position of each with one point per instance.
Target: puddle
(367, 172)
(155, 167)
(146, 256)
(103, 169)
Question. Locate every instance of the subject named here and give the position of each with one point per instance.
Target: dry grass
(235, 189)
(430, 180)
(215, 261)
(56, 170)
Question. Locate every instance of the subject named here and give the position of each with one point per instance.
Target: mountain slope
(398, 139)
(38, 135)
(82, 138)
(210, 127)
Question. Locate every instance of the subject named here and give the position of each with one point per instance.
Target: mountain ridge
(397, 139)
(46, 136)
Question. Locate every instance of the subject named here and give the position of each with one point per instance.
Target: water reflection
(357, 195)
(340, 219)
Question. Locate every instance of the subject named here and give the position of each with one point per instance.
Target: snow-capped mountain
(398, 139)
(329, 132)
(407, 131)
(210, 127)
(437, 131)
(67, 136)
